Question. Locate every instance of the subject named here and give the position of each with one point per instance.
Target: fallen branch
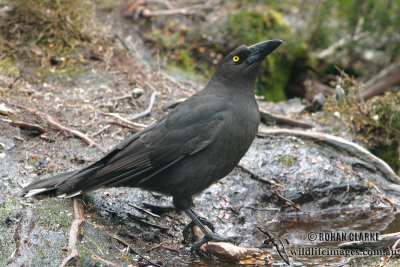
(281, 119)
(53, 123)
(235, 254)
(231, 253)
(26, 125)
(74, 232)
(382, 81)
(338, 142)
(383, 243)
(148, 109)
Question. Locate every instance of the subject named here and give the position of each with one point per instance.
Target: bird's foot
(186, 232)
(203, 224)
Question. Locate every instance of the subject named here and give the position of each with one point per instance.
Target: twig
(145, 211)
(100, 131)
(100, 258)
(123, 43)
(22, 124)
(124, 121)
(148, 109)
(394, 247)
(338, 142)
(188, 91)
(296, 206)
(74, 232)
(371, 184)
(150, 13)
(173, 104)
(156, 246)
(122, 241)
(281, 119)
(132, 249)
(255, 176)
(121, 97)
(53, 123)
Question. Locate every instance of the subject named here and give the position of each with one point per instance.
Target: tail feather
(45, 187)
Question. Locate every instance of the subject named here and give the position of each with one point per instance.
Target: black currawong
(196, 144)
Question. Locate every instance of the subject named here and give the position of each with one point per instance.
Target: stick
(371, 184)
(53, 123)
(100, 131)
(22, 124)
(338, 142)
(182, 11)
(256, 176)
(100, 258)
(124, 242)
(383, 242)
(281, 119)
(123, 43)
(124, 122)
(145, 211)
(74, 232)
(148, 109)
(294, 205)
(132, 249)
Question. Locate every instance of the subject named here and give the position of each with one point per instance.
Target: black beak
(261, 50)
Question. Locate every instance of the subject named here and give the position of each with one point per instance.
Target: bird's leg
(188, 227)
(208, 235)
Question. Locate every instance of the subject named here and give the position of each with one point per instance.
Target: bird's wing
(187, 130)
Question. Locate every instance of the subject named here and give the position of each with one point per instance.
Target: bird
(196, 144)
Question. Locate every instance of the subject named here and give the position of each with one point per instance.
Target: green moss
(52, 212)
(249, 27)
(184, 59)
(287, 160)
(389, 154)
(86, 258)
(8, 66)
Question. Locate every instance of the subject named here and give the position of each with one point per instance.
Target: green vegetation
(376, 120)
(287, 160)
(249, 27)
(52, 212)
(48, 33)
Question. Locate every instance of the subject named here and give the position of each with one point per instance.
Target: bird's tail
(46, 187)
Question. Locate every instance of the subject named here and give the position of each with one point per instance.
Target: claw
(208, 235)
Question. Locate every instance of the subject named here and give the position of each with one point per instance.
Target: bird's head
(242, 64)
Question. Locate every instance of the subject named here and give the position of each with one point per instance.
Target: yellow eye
(235, 58)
